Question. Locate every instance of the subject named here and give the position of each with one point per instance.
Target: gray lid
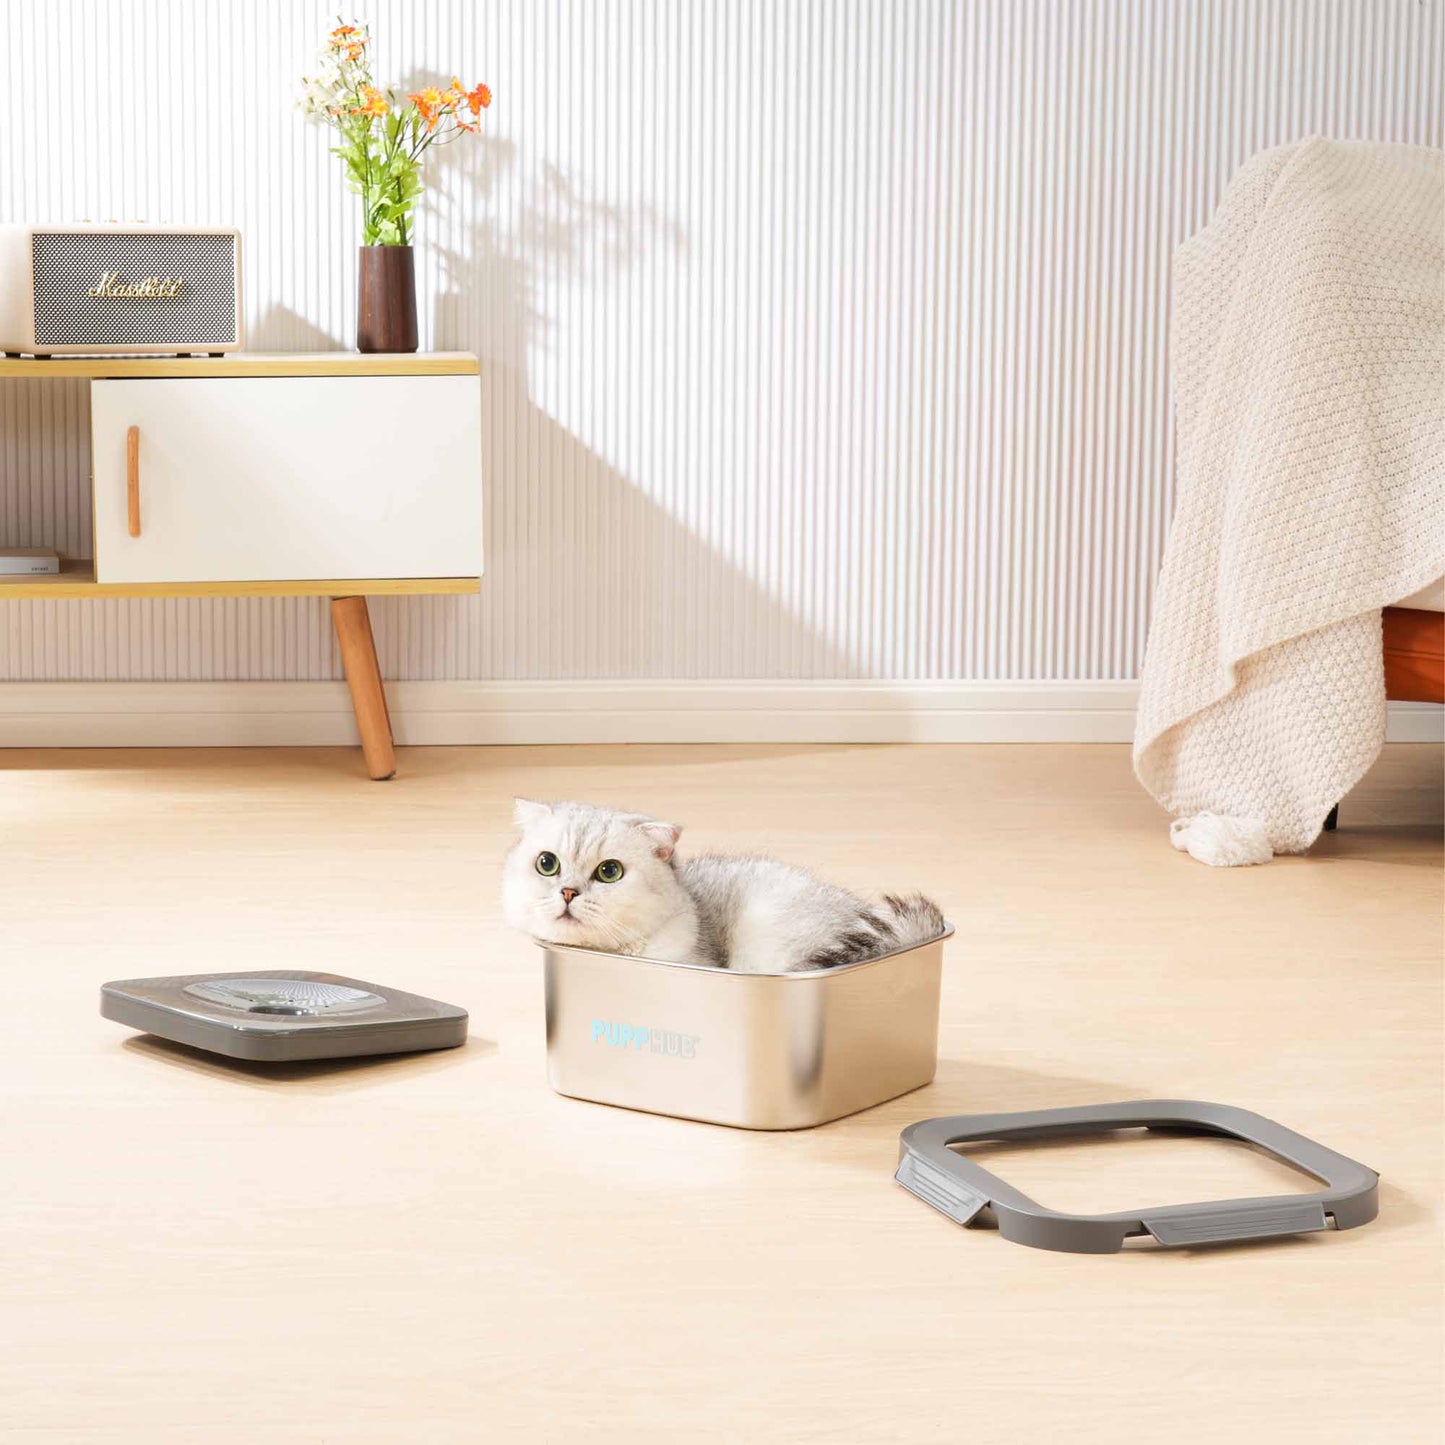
(283, 1014)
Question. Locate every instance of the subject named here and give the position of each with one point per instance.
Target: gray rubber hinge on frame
(956, 1186)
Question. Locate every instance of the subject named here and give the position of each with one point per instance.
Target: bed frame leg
(1333, 820)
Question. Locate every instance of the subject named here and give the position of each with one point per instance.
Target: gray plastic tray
(278, 1015)
(962, 1189)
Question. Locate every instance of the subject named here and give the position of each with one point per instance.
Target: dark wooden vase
(386, 299)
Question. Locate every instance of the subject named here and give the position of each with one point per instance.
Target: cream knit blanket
(1308, 345)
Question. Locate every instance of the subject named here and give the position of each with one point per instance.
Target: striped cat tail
(911, 919)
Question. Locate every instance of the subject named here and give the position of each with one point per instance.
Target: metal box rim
(800, 974)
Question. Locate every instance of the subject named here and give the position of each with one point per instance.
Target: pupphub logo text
(639, 1039)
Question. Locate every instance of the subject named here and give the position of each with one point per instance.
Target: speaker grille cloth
(67, 266)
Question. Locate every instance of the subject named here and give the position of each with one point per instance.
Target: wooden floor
(437, 1248)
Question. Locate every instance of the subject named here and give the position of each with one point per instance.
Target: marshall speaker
(137, 290)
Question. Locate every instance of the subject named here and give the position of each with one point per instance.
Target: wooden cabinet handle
(132, 480)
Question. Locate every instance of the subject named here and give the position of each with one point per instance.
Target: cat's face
(589, 876)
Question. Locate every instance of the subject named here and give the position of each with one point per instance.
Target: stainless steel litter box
(754, 1050)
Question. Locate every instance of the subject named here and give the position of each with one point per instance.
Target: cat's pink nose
(568, 894)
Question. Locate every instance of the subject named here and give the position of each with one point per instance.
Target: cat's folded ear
(664, 837)
(526, 812)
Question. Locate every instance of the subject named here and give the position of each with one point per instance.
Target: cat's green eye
(548, 865)
(609, 870)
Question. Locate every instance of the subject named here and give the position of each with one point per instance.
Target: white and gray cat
(595, 878)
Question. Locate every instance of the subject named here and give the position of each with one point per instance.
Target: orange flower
(340, 38)
(373, 102)
(477, 100)
(432, 105)
(356, 51)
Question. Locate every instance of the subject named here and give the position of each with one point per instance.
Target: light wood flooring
(437, 1248)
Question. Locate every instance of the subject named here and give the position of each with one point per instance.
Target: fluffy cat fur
(748, 914)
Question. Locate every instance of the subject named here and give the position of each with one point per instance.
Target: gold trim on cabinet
(77, 579)
(247, 363)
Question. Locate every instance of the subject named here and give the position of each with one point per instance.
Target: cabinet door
(289, 478)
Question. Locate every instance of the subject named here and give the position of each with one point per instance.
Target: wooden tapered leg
(363, 676)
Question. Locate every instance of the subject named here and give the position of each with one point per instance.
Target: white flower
(322, 94)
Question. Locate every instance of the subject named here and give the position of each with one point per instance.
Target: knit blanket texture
(1308, 347)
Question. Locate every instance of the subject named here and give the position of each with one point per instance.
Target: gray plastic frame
(962, 1189)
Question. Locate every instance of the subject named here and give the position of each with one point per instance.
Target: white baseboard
(301, 714)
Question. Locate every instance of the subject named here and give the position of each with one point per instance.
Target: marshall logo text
(112, 285)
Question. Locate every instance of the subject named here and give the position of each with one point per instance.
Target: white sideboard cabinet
(334, 474)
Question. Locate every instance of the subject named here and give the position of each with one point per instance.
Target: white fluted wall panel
(820, 338)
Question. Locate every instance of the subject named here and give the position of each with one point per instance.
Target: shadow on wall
(282, 329)
(626, 589)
